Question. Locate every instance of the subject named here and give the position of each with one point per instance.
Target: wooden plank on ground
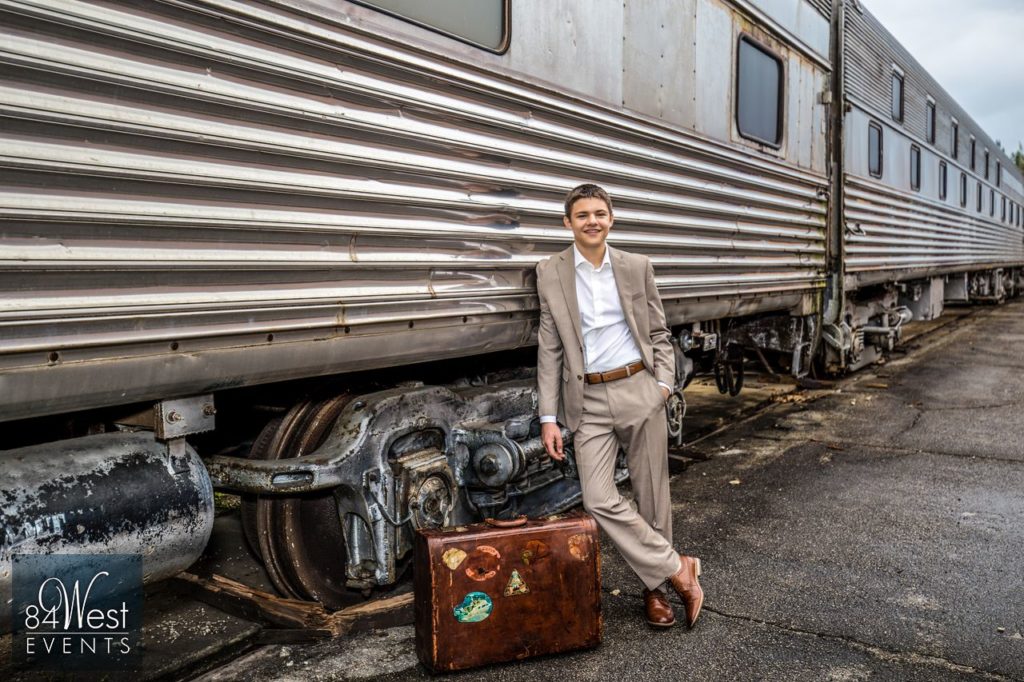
(294, 614)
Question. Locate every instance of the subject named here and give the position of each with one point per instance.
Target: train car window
(483, 23)
(875, 150)
(1004, 210)
(991, 202)
(963, 189)
(986, 164)
(978, 200)
(942, 180)
(929, 123)
(897, 96)
(956, 139)
(974, 149)
(999, 174)
(915, 167)
(759, 93)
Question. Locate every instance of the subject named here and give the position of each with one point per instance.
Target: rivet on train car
(464, 319)
(516, 585)
(475, 607)
(174, 345)
(411, 323)
(270, 337)
(174, 417)
(209, 410)
(348, 329)
(54, 356)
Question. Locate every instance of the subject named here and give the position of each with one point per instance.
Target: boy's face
(590, 220)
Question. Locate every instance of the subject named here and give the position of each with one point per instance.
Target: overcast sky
(974, 49)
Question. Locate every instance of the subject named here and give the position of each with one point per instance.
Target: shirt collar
(578, 258)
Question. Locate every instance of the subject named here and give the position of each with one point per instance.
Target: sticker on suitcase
(483, 563)
(516, 585)
(453, 557)
(475, 607)
(579, 546)
(535, 551)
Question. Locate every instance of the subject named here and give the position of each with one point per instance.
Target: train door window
(963, 189)
(915, 167)
(1003, 218)
(974, 149)
(978, 199)
(483, 23)
(897, 94)
(955, 151)
(875, 149)
(942, 180)
(986, 164)
(929, 121)
(759, 93)
(991, 202)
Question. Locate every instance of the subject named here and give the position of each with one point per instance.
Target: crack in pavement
(909, 657)
(993, 406)
(917, 451)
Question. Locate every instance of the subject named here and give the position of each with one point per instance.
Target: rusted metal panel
(187, 208)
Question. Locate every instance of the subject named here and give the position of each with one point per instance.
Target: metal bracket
(171, 419)
(183, 417)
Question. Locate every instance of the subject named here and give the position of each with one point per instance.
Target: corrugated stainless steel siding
(902, 233)
(870, 52)
(823, 6)
(198, 196)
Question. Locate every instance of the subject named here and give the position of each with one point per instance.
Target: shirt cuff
(660, 383)
(548, 419)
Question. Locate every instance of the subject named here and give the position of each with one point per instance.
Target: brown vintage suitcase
(506, 590)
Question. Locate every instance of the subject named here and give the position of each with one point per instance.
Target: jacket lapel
(624, 284)
(567, 278)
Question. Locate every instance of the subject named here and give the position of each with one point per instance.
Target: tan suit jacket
(560, 366)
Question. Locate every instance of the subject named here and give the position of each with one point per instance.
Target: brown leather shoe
(686, 586)
(658, 610)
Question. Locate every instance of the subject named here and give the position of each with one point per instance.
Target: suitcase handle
(510, 523)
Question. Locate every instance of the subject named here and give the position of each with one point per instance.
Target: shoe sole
(700, 604)
(660, 626)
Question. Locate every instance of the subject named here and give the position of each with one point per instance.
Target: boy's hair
(586, 191)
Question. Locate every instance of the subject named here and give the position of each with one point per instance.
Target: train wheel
(735, 375)
(721, 377)
(300, 537)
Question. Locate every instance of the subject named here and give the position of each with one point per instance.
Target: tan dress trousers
(629, 413)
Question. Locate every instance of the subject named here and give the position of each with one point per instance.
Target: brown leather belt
(616, 374)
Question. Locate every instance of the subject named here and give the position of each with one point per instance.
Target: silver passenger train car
(201, 198)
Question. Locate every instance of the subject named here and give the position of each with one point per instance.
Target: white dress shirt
(607, 342)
